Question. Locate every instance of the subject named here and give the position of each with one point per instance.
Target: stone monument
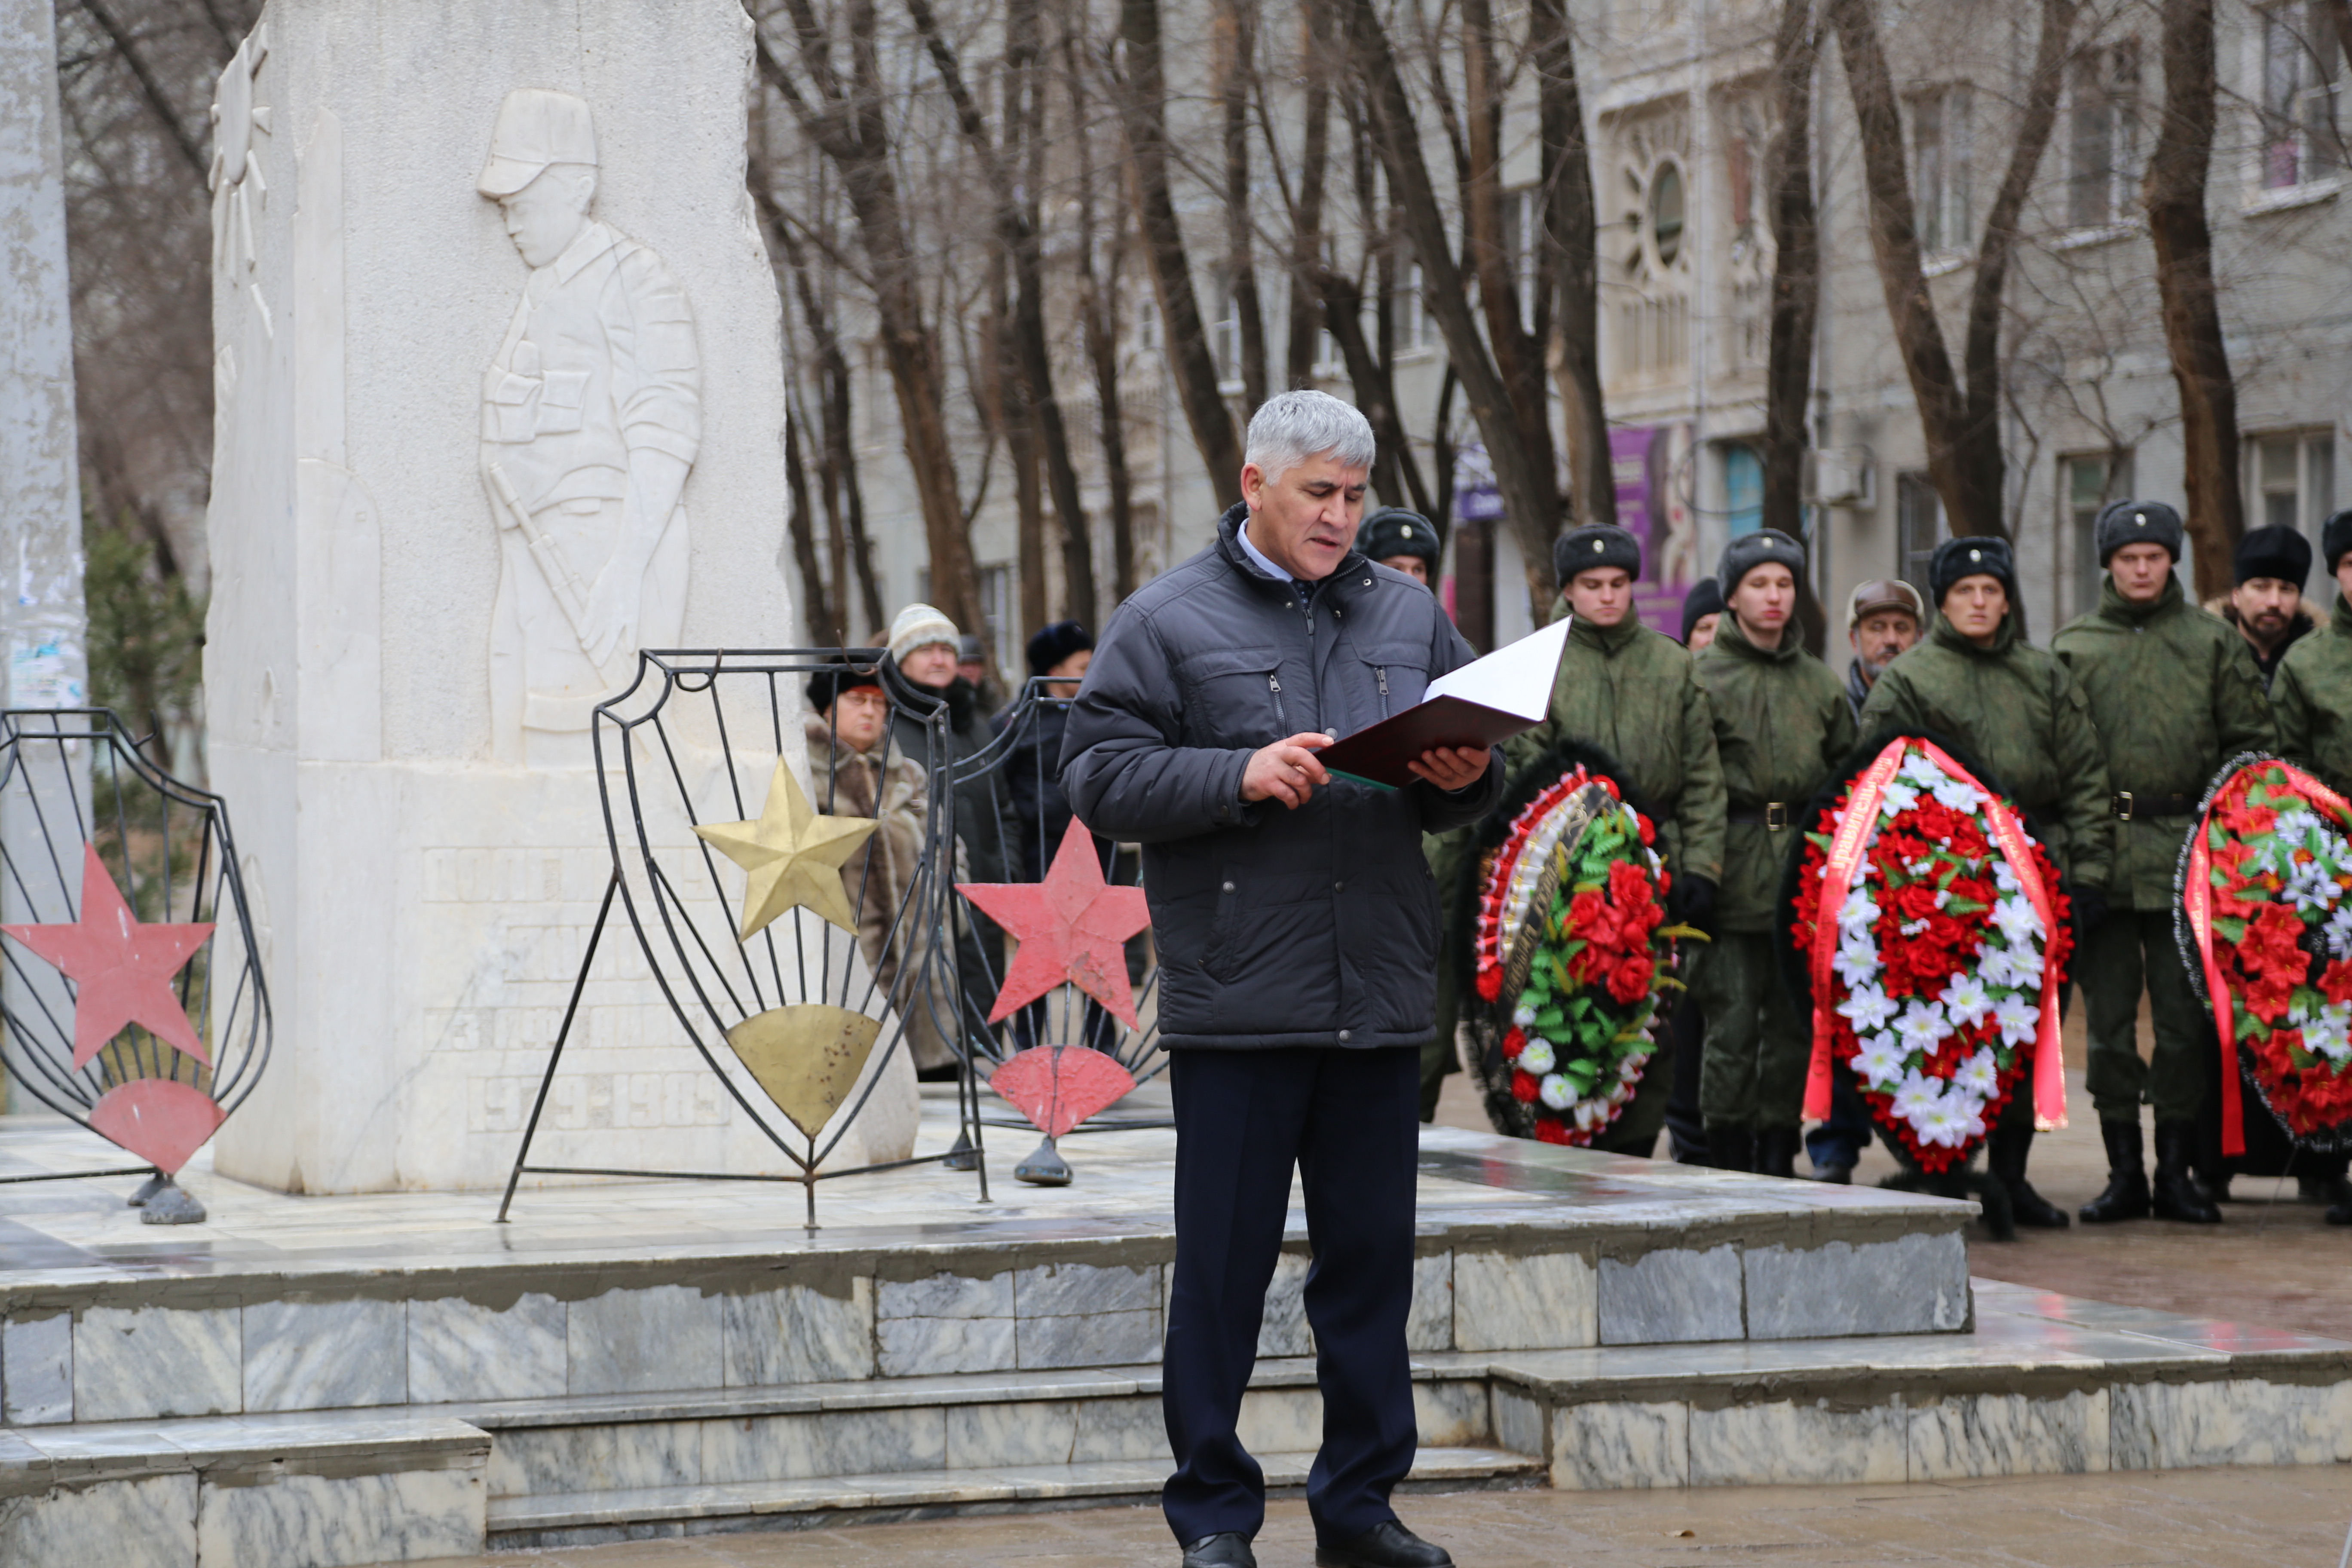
(491, 319)
(42, 622)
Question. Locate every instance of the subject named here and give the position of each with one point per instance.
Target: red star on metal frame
(121, 968)
(1072, 927)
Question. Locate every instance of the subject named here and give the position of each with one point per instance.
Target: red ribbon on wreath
(2197, 897)
(1837, 880)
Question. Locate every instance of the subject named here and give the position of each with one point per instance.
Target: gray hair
(1292, 427)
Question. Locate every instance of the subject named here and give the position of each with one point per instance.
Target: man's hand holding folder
(1482, 704)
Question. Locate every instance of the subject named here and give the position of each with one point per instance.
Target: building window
(1522, 223)
(1939, 169)
(2293, 481)
(2103, 145)
(1146, 308)
(1743, 488)
(1225, 338)
(1918, 529)
(1416, 328)
(2296, 96)
(2090, 484)
(1001, 605)
(1667, 214)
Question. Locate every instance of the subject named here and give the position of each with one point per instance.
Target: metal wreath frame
(37, 1046)
(1066, 1016)
(706, 970)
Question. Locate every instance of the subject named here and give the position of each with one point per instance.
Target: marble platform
(363, 1379)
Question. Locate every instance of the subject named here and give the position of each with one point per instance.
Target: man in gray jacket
(1297, 926)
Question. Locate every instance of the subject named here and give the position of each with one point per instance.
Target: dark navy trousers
(1349, 1121)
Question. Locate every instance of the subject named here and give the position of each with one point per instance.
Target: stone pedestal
(499, 402)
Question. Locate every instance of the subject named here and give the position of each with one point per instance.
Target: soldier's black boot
(2126, 1193)
(1730, 1148)
(2005, 1152)
(1775, 1151)
(2177, 1194)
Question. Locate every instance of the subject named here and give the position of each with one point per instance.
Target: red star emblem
(1072, 927)
(122, 970)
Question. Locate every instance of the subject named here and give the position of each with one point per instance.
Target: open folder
(1485, 702)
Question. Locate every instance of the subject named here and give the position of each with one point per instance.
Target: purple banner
(1644, 463)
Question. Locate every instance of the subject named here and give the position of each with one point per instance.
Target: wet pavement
(2215, 1518)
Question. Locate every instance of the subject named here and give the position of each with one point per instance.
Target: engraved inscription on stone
(591, 415)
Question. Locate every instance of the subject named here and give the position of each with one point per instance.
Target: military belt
(1772, 814)
(2131, 805)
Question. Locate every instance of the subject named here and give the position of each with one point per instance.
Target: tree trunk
(1143, 92)
(845, 121)
(1518, 352)
(1099, 313)
(1796, 270)
(2174, 193)
(1040, 411)
(1571, 268)
(1530, 495)
(845, 501)
(1961, 424)
(1235, 58)
(1796, 295)
(816, 605)
(1306, 218)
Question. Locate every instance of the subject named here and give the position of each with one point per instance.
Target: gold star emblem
(790, 856)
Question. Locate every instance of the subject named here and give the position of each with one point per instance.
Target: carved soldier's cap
(537, 126)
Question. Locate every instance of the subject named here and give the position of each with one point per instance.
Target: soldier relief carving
(592, 415)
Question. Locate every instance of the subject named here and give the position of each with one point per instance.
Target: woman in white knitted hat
(921, 680)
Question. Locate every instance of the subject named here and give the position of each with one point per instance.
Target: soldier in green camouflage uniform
(2311, 698)
(1975, 680)
(1781, 725)
(1634, 693)
(2174, 692)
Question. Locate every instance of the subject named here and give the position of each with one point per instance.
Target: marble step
(2041, 1385)
(898, 1425)
(350, 1488)
(581, 1518)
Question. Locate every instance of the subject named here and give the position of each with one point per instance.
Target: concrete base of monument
(356, 1380)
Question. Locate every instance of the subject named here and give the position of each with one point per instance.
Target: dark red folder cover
(1380, 754)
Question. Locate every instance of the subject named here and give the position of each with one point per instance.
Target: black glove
(1692, 902)
(2090, 908)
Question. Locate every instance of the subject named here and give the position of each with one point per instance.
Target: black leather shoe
(1226, 1549)
(1387, 1545)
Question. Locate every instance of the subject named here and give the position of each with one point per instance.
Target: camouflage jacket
(2173, 692)
(2311, 695)
(2019, 712)
(1781, 726)
(1635, 695)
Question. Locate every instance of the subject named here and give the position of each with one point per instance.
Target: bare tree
(1961, 421)
(843, 117)
(1021, 146)
(1098, 312)
(1236, 73)
(1571, 259)
(1796, 267)
(2174, 188)
(850, 548)
(816, 603)
(1531, 493)
(1140, 90)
